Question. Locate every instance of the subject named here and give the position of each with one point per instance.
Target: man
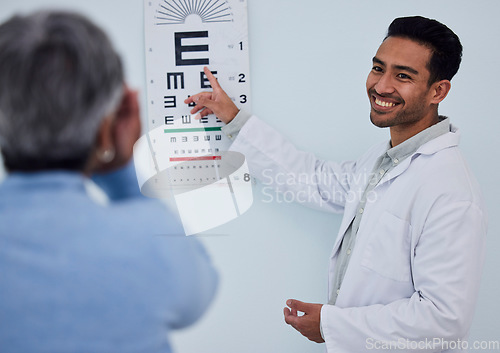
(405, 268)
(78, 275)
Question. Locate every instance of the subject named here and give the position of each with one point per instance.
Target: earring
(107, 155)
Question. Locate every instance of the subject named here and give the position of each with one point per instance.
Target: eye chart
(181, 156)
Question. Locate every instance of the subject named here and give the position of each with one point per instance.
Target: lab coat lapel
(357, 189)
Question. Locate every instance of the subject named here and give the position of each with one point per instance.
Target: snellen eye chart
(180, 156)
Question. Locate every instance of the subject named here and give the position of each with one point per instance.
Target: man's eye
(377, 68)
(404, 76)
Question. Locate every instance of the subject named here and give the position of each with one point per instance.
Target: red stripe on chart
(184, 159)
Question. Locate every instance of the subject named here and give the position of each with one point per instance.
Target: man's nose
(384, 85)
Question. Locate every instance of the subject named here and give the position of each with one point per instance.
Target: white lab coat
(413, 277)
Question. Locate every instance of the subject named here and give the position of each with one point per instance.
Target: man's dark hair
(445, 45)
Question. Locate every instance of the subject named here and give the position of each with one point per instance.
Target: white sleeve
(279, 165)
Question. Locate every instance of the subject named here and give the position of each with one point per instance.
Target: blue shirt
(77, 276)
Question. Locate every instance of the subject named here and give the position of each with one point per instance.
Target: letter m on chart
(175, 76)
(180, 48)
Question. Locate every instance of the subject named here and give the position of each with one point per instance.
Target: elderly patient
(77, 275)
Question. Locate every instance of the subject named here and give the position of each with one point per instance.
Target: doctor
(405, 268)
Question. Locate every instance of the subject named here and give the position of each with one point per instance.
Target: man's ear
(440, 90)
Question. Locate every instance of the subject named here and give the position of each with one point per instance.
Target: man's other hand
(309, 323)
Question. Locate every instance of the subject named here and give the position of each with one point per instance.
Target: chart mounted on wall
(180, 156)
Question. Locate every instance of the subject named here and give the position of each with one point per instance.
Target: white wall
(309, 62)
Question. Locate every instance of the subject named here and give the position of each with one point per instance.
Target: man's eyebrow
(378, 61)
(398, 67)
(406, 68)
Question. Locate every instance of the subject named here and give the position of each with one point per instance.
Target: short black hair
(444, 43)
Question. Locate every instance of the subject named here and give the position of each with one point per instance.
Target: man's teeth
(384, 104)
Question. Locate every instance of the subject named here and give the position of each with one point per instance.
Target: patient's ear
(104, 151)
(117, 135)
(126, 127)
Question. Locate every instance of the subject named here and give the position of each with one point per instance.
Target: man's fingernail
(288, 302)
(197, 116)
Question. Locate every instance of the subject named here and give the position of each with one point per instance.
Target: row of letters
(171, 101)
(174, 139)
(186, 119)
(197, 151)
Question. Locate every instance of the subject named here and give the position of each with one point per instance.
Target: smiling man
(405, 268)
(402, 93)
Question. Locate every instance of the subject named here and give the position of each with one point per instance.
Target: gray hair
(59, 77)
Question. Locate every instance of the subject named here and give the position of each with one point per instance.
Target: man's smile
(382, 103)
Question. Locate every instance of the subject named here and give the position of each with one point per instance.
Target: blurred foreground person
(78, 275)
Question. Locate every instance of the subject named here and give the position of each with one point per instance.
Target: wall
(309, 62)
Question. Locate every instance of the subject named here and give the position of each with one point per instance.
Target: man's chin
(378, 120)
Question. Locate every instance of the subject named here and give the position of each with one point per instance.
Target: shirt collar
(410, 146)
(44, 179)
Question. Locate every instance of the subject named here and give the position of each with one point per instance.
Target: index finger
(211, 78)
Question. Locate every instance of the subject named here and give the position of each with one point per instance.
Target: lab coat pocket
(388, 250)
